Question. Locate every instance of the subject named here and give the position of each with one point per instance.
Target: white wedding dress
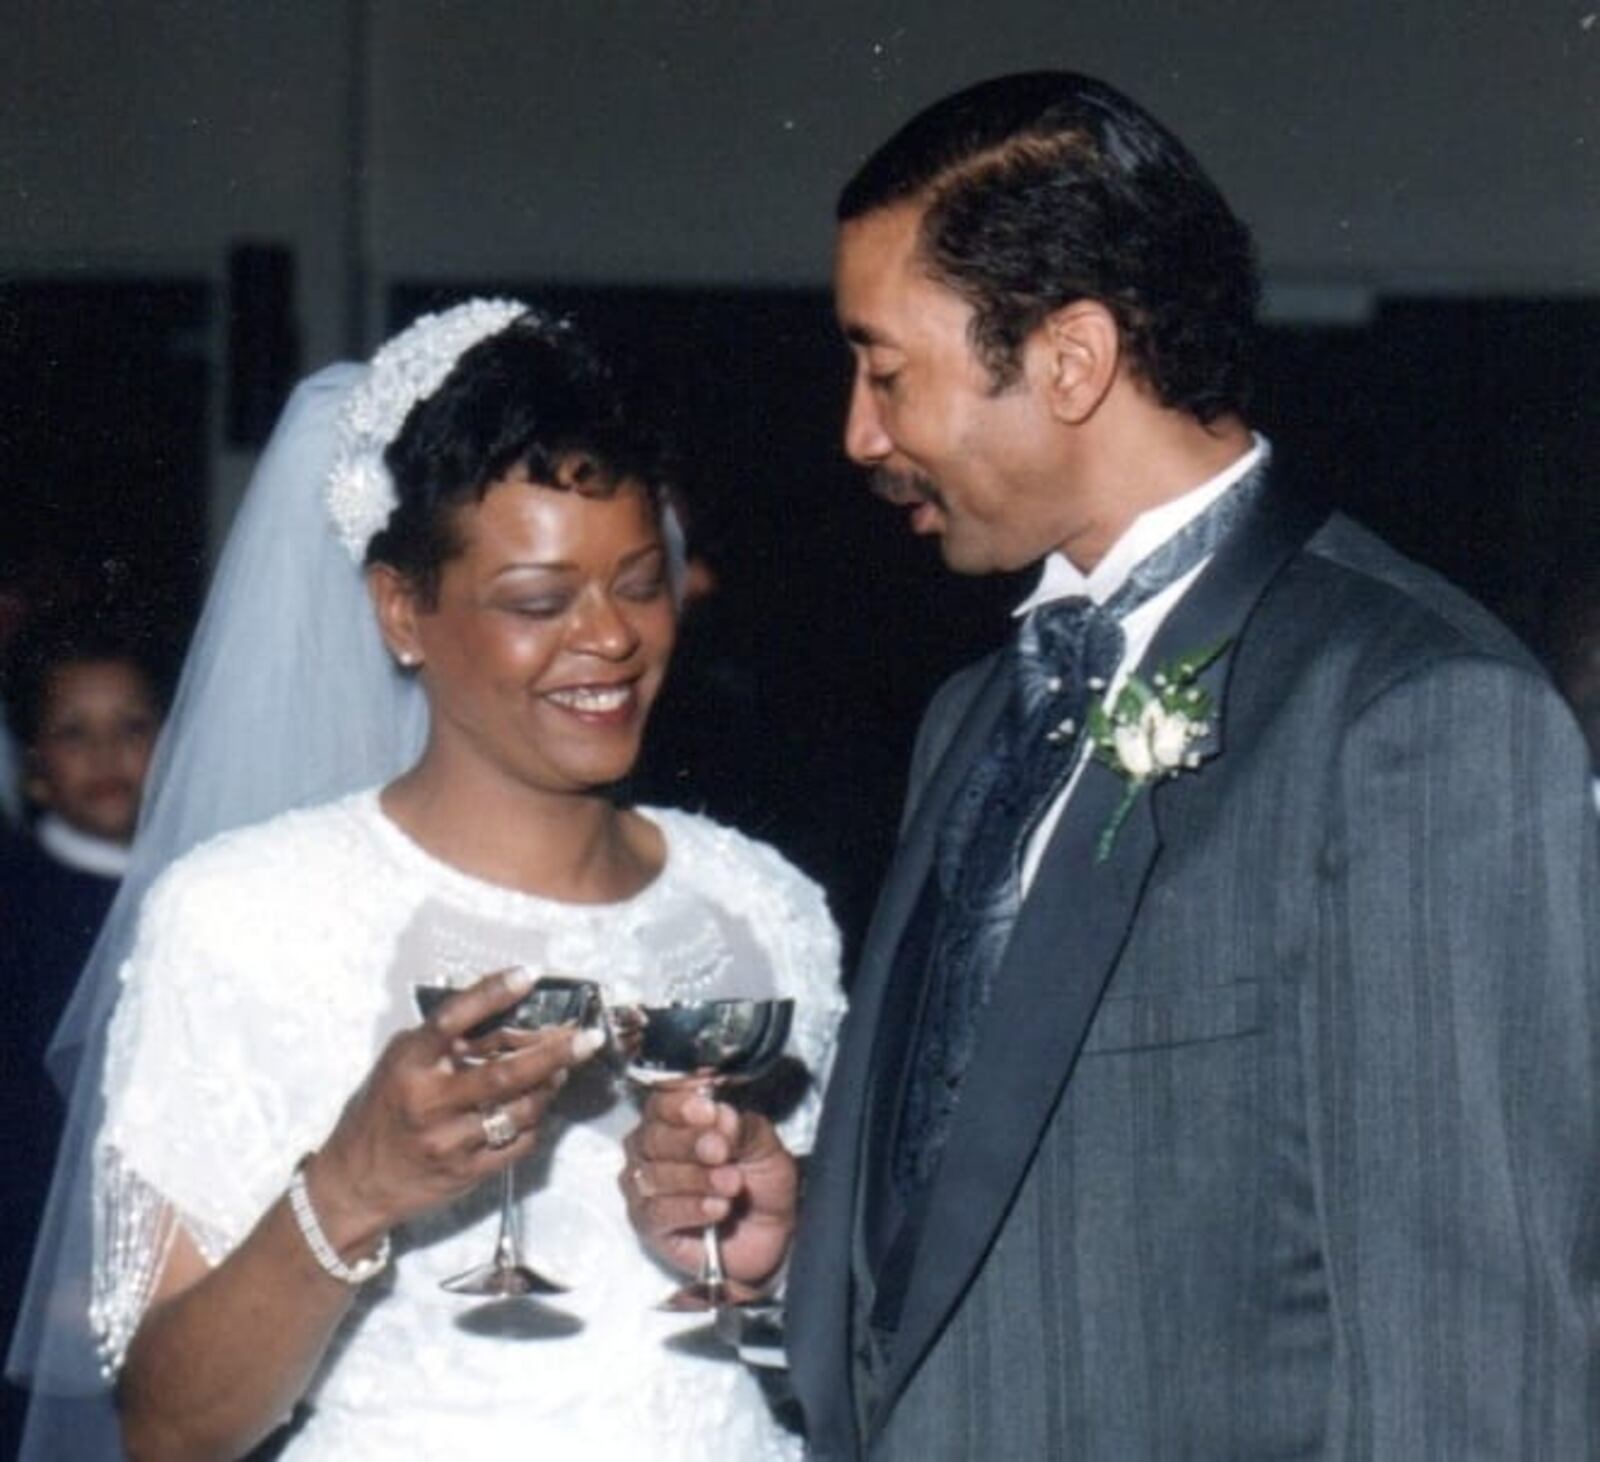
(271, 966)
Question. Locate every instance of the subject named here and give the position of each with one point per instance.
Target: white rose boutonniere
(1152, 730)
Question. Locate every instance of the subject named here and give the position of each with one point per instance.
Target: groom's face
(977, 468)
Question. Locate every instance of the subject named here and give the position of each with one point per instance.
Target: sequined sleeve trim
(134, 1227)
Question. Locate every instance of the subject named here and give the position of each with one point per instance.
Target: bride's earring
(408, 660)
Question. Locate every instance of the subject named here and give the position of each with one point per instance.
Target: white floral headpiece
(412, 366)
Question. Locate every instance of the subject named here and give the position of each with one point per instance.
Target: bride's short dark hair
(536, 395)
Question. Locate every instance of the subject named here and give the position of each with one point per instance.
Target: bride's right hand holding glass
(430, 1123)
(693, 1161)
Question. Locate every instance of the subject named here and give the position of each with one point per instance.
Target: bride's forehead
(519, 514)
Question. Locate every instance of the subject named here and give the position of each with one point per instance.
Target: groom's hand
(693, 1161)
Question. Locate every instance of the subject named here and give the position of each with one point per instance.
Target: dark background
(1460, 429)
(206, 198)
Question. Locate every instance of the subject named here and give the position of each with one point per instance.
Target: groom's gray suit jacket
(1282, 1133)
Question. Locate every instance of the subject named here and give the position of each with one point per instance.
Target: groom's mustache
(904, 489)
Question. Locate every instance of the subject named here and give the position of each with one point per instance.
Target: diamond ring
(498, 1128)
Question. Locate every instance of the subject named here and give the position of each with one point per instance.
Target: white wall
(1435, 144)
(1445, 142)
(144, 134)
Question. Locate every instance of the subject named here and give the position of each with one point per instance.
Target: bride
(286, 1163)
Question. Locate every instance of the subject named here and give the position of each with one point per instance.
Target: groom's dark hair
(1048, 187)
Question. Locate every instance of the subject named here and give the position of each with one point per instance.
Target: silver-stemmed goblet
(701, 1042)
(553, 1000)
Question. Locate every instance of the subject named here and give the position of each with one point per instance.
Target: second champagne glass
(711, 1043)
(553, 1000)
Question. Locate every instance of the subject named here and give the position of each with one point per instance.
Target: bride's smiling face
(550, 633)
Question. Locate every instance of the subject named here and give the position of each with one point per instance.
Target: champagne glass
(702, 1042)
(553, 1000)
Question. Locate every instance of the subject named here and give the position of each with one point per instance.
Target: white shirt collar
(1062, 579)
(80, 850)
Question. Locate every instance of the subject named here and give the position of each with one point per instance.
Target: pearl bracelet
(317, 1241)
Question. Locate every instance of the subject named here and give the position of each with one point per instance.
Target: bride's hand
(416, 1133)
(693, 1161)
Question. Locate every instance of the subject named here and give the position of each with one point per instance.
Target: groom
(1221, 1074)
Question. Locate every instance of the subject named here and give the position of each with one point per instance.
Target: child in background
(84, 710)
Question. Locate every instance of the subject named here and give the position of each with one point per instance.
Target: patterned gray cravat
(1064, 654)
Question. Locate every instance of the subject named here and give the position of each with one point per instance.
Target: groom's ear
(394, 601)
(1075, 355)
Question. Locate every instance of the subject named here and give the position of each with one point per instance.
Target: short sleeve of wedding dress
(271, 966)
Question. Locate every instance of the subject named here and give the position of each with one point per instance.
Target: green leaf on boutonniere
(1186, 667)
(1152, 730)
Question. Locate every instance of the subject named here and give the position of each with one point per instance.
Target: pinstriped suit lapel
(819, 1281)
(915, 856)
(1063, 948)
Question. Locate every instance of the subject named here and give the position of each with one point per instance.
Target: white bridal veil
(288, 698)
